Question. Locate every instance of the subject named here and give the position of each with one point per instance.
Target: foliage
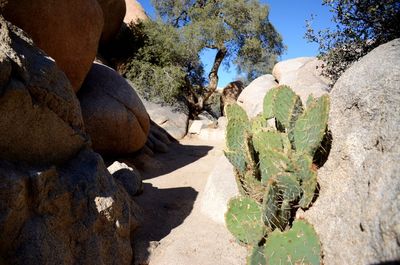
(163, 64)
(274, 164)
(360, 27)
(238, 30)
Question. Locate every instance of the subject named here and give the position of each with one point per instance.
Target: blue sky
(288, 17)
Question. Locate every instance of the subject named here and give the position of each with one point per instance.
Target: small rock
(128, 176)
(196, 127)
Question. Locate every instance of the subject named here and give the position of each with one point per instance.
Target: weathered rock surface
(231, 93)
(113, 13)
(173, 119)
(114, 115)
(68, 31)
(158, 140)
(134, 12)
(220, 188)
(282, 70)
(303, 75)
(252, 97)
(357, 213)
(40, 116)
(128, 177)
(71, 214)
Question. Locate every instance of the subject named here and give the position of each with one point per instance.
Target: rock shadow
(177, 157)
(163, 210)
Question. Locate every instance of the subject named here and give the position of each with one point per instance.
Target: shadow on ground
(163, 209)
(178, 156)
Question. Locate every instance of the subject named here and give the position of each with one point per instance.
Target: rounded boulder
(113, 13)
(68, 31)
(134, 12)
(113, 113)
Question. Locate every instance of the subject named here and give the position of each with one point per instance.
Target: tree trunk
(213, 78)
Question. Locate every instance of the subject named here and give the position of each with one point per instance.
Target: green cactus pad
(257, 256)
(237, 159)
(284, 214)
(235, 134)
(287, 107)
(243, 220)
(264, 140)
(310, 127)
(273, 162)
(235, 112)
(258, 123)
(299, 245)
(308, 186)
(310, 99)
(270, 206)
(308, 178)
(269, 104)
(249, 153)
(289, 184)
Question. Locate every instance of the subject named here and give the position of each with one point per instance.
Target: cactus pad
(235, 112)
(310, 127)
(287, 107)
(257, 256)
(243, 220)
(299, 245)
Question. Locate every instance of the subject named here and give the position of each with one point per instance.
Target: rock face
(128, 177)
(71, 214)
(220, 188)
(231, 93)
(252, 97)
(113, 13)
(357, 214)
(134, 12)
(114, 115)
(173, 119)
(303, 75)
(40, 117)
(68, 31)
(282, 70)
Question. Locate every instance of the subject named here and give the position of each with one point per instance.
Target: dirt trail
(174, 231)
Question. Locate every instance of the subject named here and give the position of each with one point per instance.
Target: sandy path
(174, 231)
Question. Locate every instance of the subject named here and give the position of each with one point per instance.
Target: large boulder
(71, 214)
(113, 13)
(220, 188)
(285, 70)
(303, 75)
(134, 12)
(252, 97)
(68, 31)
(114, 115)
(173, 119)
(357, 213)
(40, 116)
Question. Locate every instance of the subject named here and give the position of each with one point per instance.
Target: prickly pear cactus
(243, 220)
(298, 245)
(273, 158)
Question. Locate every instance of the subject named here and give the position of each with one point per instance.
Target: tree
(162, 66)
(239, 31)
(361, 25)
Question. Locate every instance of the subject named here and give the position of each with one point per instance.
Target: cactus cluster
(273, 158)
